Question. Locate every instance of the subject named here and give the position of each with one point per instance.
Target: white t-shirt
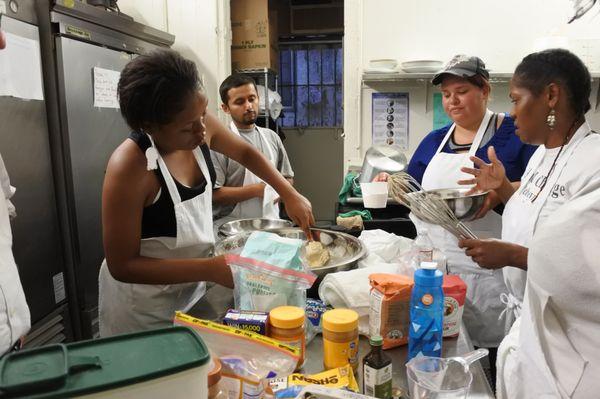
(581, 172)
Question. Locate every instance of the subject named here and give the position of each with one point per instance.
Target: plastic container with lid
(286, 324)
(340, 338)
(214, 376)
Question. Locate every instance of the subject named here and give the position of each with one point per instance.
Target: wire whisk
(426, 206)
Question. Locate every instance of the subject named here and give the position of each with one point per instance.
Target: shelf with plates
(397, 76)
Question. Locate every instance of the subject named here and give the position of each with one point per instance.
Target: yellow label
(339, 354)
(199, 323)
(69, 3)
(342, 377)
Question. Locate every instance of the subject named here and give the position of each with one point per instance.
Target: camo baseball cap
(463, 66)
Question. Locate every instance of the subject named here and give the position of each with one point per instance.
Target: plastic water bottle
(426, 312)
(424, 246)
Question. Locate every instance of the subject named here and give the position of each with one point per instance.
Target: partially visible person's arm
(495, 254)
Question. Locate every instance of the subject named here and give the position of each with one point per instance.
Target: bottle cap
(429, 265)
(376, 340)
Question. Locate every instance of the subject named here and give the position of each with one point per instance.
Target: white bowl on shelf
(383, 64)
(421, 66)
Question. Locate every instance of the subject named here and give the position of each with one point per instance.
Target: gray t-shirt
(231, 174)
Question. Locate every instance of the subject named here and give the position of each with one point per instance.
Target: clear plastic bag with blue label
(263, 286)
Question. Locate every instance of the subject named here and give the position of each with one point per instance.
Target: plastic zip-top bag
(247, 359)
(262, 286)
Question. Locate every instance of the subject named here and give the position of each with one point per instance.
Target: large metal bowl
(355, 249)
(462, 205)
(235, 227)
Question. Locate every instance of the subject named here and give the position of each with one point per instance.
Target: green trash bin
(165, 363)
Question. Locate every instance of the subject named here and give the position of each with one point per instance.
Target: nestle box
(254, 35)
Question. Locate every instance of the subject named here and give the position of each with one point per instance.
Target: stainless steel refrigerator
(75, 39)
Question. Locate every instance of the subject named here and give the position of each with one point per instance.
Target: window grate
(311, 84)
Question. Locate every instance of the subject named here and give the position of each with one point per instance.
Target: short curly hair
(154, 88)
(538, 70)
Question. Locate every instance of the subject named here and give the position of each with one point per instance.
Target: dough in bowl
(316, 254)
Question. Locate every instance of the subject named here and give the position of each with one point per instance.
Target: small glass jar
(340, 338)
(214, 376)
(286, 324)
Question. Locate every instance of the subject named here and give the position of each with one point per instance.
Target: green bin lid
(58, 371)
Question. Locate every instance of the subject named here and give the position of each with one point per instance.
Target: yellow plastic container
(286, 324)
(340, 338)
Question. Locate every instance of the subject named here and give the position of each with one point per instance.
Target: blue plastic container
(426, 312)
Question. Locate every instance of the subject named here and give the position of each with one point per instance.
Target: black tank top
(158, 219)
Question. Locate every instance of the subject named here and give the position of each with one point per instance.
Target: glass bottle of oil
(377, 371)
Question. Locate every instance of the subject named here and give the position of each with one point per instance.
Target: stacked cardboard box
(254, 35)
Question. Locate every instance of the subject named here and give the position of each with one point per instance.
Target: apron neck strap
(169, 181)
(483, 126)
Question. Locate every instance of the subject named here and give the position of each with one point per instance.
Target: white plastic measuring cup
(374, 194)
(441, 378)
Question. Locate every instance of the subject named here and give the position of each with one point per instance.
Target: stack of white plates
(421, 66)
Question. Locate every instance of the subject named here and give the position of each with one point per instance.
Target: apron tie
(512, 305)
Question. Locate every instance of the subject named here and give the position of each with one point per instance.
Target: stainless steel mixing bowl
(463, 206)
(355, 249)
(249, 225)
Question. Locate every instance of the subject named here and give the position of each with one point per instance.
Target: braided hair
(538, 70)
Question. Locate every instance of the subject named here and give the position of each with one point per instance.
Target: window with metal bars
(311, 84)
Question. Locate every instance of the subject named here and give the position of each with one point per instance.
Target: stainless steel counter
(217, 300)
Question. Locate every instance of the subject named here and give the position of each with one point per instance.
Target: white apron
(556, 353)
(257, 207)
(522, 233)
(520, 218)
(483, 306)
(125, 307)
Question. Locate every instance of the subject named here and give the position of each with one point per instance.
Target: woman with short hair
(157, 196)
(547, 351)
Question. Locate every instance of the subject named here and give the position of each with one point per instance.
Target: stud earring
(551, 119)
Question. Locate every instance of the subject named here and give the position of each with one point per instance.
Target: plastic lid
(376, 340)
(215, 373)
(286, 317)
(428, 277)
(340, 320)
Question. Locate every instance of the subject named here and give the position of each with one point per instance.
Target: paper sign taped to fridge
(105, 88)
(21, 68)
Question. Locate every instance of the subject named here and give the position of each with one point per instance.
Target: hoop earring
(551, 119)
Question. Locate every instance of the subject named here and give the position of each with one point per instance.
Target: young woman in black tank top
(161, 99)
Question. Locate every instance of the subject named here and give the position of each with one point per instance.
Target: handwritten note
(21, 68)
(105, 88)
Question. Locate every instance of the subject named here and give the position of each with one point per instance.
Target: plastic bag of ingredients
(290, 386)
(389, 313)
(247, 359)
(262, 286)
(455, 293)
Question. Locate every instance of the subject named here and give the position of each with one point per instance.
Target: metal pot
(356, 250)
(382, 158)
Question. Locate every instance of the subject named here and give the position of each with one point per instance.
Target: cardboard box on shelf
(254, 35)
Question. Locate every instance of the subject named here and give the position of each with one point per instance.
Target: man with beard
(239, 194)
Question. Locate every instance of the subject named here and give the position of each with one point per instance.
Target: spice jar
(340, 338)
(214, 376)
(286, 324)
